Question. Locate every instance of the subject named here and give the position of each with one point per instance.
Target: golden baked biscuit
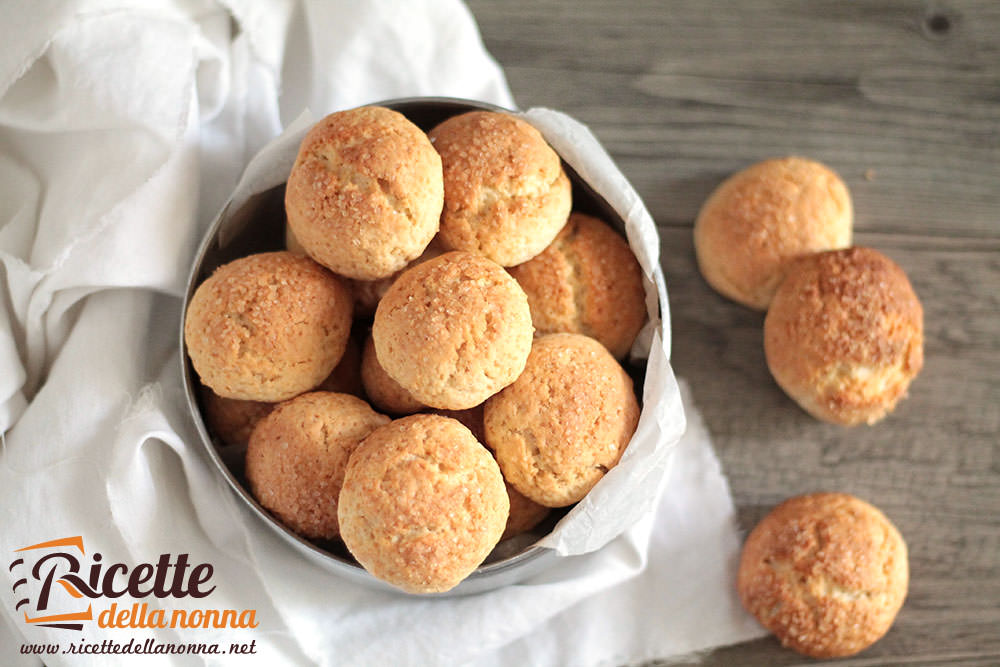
(760, 218)
(587, 281)
(844, 335)
(422, 504)
(297, 456)
(564, 422)
(267, 327)
(505, 192)
(525, 514)
(384, 392)
(453, 331)
(364, 196)
(367, 293)
(826, 573)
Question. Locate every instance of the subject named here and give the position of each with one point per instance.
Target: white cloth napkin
(123, 127)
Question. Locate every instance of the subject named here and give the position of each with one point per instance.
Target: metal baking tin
(513, 560)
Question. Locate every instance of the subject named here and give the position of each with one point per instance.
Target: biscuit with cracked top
(297, 456)
(844, 335)
(587, 281)
(364, 196)
(267, 327)
(453, 331)
(422, 504)
(761, 218)
(564, 422)
(506, 194)
(826, 573)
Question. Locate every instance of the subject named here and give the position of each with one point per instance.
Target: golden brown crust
(844, 335)
(587, 281)
(826, 573)
(384, 392)
(267, 327)
(760, 218)
(423, 503)
(506, 194)
(564, 422)
(297, 456)
(364, 196)
(453, 330)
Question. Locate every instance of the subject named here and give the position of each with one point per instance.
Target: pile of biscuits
(435, 360)
(843, 337)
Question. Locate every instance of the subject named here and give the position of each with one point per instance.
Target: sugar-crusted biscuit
(422, 504)
(506, 194)
(453, 330)
(587, 281)
(844, 335)
(564, 422)
(826, 573)
(267, 327)
(364, 196)
(384, 392)
(760, 218)
(297, 456)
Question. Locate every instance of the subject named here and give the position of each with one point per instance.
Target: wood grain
(903, 100)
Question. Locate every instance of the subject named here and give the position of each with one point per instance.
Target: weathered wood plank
(903, 99)
(684, 93)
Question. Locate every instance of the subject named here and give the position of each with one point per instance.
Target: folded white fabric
(123, 127)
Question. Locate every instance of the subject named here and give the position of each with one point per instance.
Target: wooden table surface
(902, 98)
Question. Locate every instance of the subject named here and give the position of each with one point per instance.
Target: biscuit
(564, 422)
(760, 218)
(364, 196)
(453, 331)
(826, 573)
(297, 456)
(422, 504)
(384, 392)
(505, 192)
(587, 281)
(844, 335)
(267, 327)
(525, 514)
